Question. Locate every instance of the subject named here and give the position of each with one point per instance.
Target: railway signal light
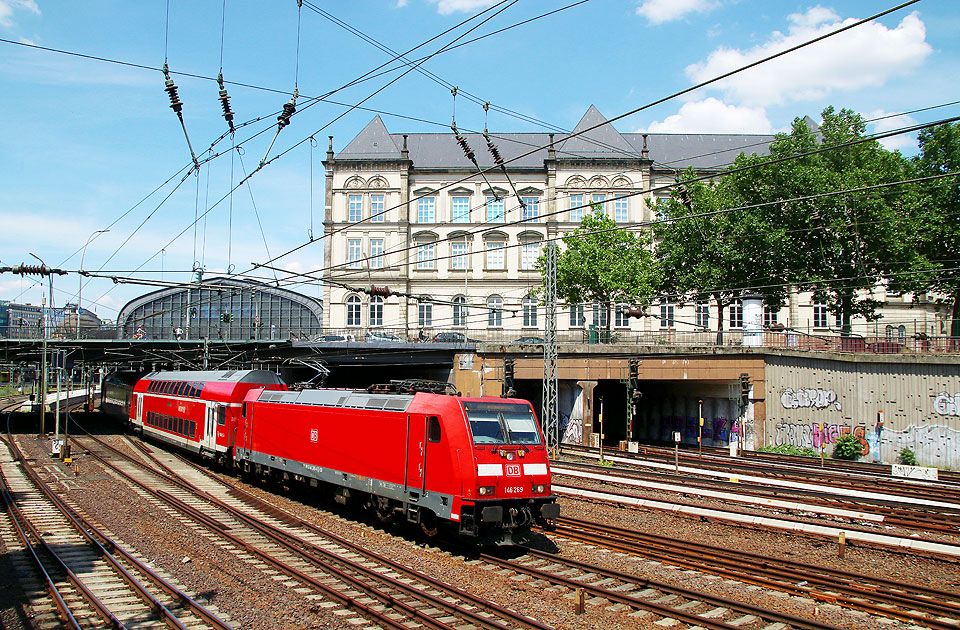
(744, 389)
(508, 370)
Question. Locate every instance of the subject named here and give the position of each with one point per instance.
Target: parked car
(335, 337)
(528, 340)
(452, 337)
(380, 335)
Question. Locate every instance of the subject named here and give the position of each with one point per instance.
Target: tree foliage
(940, 219)
(604, 264)
(840, 246)
(706, 249)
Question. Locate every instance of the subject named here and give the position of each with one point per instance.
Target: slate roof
(668, 151)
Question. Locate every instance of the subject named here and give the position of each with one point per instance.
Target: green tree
(604, 264)
(707, 247)
(841, 246)
(940, 219)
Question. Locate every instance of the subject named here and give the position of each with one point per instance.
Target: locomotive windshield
(501, 423)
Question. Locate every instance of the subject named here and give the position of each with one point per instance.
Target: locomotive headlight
(539, 488)
(485, 490)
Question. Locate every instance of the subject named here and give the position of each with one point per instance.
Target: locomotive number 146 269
(513, 490)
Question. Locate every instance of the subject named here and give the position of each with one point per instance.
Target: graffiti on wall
(573, 432)
(812, 398)
(817, 434)
(947, 405)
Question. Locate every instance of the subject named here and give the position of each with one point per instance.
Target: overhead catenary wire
(687, 90)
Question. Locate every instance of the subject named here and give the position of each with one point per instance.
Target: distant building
(26, 321)
(221, 308)
(411, 213)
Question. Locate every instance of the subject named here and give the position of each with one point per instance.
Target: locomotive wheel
(428, 523)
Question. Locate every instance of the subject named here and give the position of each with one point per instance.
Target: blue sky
(82, 141)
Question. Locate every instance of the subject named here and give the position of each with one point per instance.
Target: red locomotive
(477, 466)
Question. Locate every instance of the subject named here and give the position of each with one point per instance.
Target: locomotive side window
(221, 415)
(243, 410)
(501, 423)
(433, 429)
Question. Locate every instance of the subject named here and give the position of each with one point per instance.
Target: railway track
(839, 474)
(363, 583)
(832, 505)
(82, 578)
(874, 595)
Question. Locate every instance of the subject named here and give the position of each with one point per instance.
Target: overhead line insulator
(225, 103)
(289, 109)
(177, 106)
(471, 155)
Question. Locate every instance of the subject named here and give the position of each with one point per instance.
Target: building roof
(598, 140)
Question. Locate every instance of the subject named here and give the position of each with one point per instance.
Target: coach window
(199, 389)
(180, 388)
(433, 430)
(180, 426)
(221, 415)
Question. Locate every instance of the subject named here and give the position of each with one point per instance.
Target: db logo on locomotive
(512, 470)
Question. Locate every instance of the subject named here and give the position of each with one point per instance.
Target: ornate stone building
(457, 249)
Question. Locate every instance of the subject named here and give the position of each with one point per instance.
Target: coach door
(416, 451)
(138, 409)
(209, 441)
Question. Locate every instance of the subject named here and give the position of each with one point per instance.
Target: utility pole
(550, 412)
(42, 270)
(80, 287)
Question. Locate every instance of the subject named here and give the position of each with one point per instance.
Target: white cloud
(887, 122)
(865, 56)
(658, 11)
(401, 3)
(445, 7)
(8, 7)
(714, 116)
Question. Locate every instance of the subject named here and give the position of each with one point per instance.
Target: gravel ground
(250, 599)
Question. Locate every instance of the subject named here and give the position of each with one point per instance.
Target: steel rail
(634, 602)
(108, 550)
(278, 537)
(783, 575)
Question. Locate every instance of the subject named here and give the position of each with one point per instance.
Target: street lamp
(80, 288)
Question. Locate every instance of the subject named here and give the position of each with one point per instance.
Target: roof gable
(373, 143)
(594, 137)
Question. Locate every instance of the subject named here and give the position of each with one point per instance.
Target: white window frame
(376, 253)
(427, 210)
(529, 253)
(496, 210)
(495, 311)
(376, 311)
(529, 312)
(424, 314)
(531, 210)
(735, 315)
(354, 252)
(578, 317)
(668, 320)
(460, 311)
(600, 198)
(426, 256)
(377, 209)
(459, 255)
(496, 254)
(354, 311)
(355, 208)
(621, 210)
(576, 208)
(702, 315)
(821, 316)
(460, 209)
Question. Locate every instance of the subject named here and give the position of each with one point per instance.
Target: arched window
(376, 311)
(529, 312)
(460, 311)
(353, 311)
(495, 311)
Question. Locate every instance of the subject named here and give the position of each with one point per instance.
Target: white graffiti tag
(947, 405)
(816, 398)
